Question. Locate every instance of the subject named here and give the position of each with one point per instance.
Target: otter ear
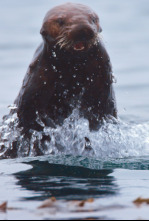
(46, 36)
(43, 32)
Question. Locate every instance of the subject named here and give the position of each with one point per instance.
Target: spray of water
(115, 139)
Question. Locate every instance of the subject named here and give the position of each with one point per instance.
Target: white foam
(113, 140)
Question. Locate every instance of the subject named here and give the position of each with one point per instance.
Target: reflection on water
(26, 182)
(65, 182)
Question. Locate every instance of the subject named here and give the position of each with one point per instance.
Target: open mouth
(80, 46)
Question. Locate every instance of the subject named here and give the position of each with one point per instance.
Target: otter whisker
(63, 42)
(60, 42)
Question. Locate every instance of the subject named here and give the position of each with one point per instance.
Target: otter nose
(82, 33)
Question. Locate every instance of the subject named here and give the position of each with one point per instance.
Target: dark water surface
(118, 173)
(25, 183)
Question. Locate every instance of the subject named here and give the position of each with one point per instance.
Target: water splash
(115, 139)
(9, 132)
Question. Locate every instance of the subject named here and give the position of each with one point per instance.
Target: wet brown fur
(60, 79)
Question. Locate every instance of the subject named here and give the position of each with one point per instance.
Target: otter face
(72, 27)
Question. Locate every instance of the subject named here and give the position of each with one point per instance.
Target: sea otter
(70, 69)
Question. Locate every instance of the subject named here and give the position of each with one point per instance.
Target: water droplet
(74, 76)
(114, 80)
(54, 54)
(54, 68)
(12, 107)
(65, 92)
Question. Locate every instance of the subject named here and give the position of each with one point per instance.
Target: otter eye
(60, 21)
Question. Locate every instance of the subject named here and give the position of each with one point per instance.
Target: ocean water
(115, 173)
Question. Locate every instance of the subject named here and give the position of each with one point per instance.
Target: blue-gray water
(115, 183)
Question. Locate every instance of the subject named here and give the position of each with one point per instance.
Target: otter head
(71, 26)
